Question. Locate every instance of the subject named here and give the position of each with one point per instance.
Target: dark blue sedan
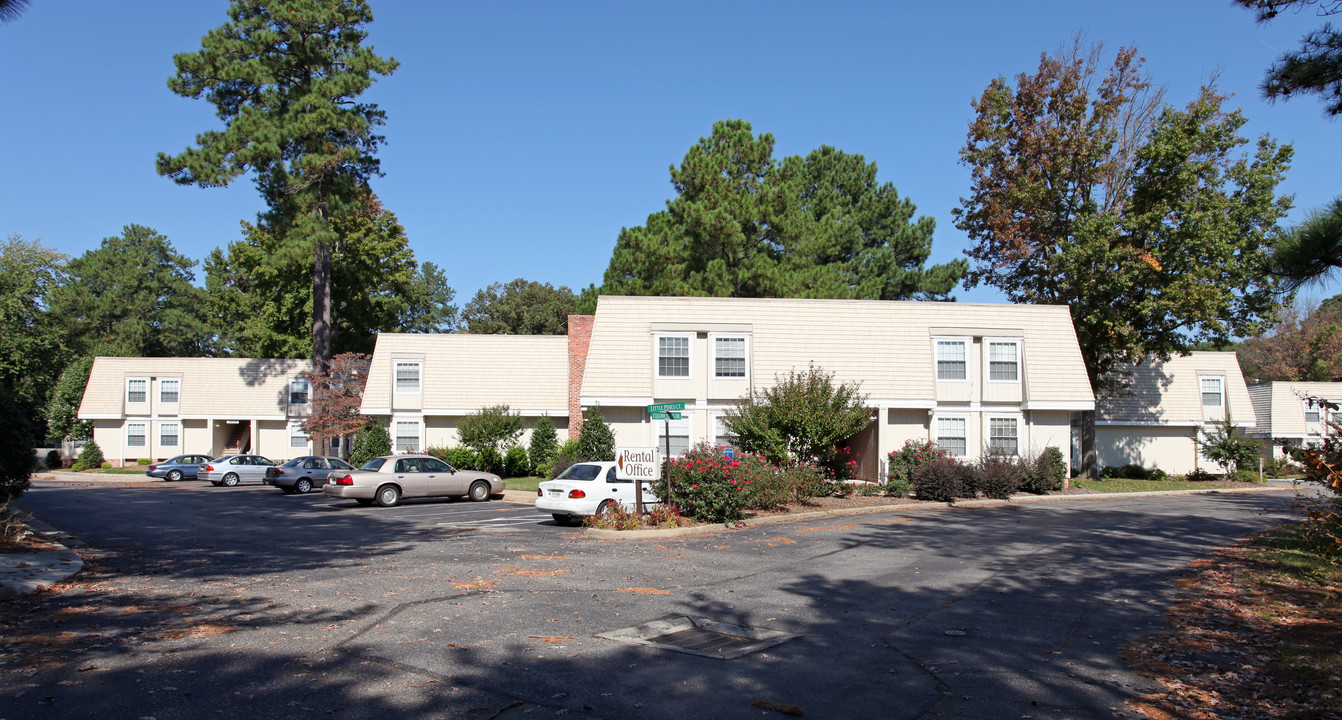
(182, 467)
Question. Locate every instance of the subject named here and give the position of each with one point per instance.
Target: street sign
(665, 407)
(637, 463)
(664, 415)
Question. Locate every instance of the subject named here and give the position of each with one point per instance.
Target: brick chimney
(579, 337)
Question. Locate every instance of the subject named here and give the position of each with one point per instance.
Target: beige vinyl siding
(1285, 416)
(1170, 393)
(529, 373)
(885, 345)
(1169, 448)
(272, 441)
(210, 387)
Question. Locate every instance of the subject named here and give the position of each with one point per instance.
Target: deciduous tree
(745, 225)
(284, 76)
(520, 307)
(1305, 344)
(337, 394)
(31, 348)
(800, 419)
(1150, 227)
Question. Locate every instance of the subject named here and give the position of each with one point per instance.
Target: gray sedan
(303, 474)
(230, 470)
(385, 480)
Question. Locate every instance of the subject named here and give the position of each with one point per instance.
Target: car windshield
(374, 464)
(293, 463)
(580, 472)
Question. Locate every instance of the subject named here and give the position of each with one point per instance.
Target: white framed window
(722, 436)
(300, 391)
(169, 434)
(1213, 395)
(407, 375)
(953, 435)
(297, 438)
(1313, 413)
(137, 390)
(952, 360)
(1004, 360)
(169, 391)
(1003, 436)
(673, 356)
(679, 435)
(137, 435)
(407, 436)
(729, 356)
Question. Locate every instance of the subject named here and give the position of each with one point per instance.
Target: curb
(604, 534)
(26, 573)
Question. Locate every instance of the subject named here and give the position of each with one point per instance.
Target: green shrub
(370, 442)
(1045, 473)
(515, 463)
(91, 455)
(489, 431)
(938, 481)
(78, 466)
(106, 465)
(971, 480)
(837, 463)
(1158, 474)
(1278, 467)
(999, 477)
(1229, 448)
(898, 487)
(1199, 475)
(1248, 476)
(54, 459)
(705, 485)
(596, 441)
(567, 455)
(144, 461)
(461, 458)
(801, 420)
(1131, 471)
(615, 517)
(903, 463)
(868, 489)
(544, 445)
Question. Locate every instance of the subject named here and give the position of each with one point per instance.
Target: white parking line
(496, 522)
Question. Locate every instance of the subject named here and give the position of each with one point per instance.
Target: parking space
(494, 515)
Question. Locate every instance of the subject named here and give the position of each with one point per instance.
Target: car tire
(174, 476)
(562, 519)
(388, 496)
(366, 502)
(479, 491)
(303, 486)
(603, 508)
(230, 480)
(288, 490)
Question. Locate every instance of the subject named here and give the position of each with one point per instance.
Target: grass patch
(131, 470)
(526, 484)
(1123, 485)
(1257, 627)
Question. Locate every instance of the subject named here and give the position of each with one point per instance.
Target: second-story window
(1313, 413)
(169, 391)
(137, 390)
(951, 363)
(1212, 397)
(729, 357)
(673, 357)
(299, 392)
(407, 376)
(1003, 361)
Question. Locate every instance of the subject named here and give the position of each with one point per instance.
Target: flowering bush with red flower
(706, 485)
(906, 461)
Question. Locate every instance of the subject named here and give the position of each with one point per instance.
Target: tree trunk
(1089, 459)
(321, 308)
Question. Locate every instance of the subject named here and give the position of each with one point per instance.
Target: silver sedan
(385, 480)
(230, 470)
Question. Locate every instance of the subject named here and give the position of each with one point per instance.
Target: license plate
(557, 493)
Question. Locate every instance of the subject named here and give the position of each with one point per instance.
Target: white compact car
(588, 488)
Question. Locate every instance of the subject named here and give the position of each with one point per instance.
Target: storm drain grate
(700, 636)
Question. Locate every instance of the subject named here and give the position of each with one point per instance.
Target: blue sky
(522, 136)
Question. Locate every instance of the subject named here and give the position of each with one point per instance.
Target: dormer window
(137, 390)
(169, 391)
(1213, 395)
(1004, 361)
(951, 360)
(673, 356)
(408, 376)
(299, 391)
(729, 356)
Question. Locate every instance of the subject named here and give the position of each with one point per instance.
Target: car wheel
(303, 486)
(480, 491)
(366, 502)
(230, 479)
(563, 519)
(388, 495)
(603, 508)
(174, 476)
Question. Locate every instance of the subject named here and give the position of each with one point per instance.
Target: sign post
(665, 412)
